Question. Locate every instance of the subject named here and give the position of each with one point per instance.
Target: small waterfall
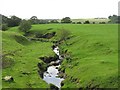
(51, 75)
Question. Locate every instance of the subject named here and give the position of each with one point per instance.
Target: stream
(51, 75)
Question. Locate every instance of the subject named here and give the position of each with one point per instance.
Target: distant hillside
(96, 20)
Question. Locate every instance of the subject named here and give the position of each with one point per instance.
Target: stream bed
(51, 75)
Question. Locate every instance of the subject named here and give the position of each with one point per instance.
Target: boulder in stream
(49, 59)
(54, 63)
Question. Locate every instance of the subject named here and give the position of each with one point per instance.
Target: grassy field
(93, 53)
(21, 56)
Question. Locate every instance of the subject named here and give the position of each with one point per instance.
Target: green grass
(94, 57)
(25, 55)
(93, 51)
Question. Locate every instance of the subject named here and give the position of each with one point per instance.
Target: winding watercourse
(51, 74)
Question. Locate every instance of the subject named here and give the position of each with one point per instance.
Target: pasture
(92, 53)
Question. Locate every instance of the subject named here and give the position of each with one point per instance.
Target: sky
(57, 9)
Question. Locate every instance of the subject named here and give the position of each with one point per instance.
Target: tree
(25, 26)
(102, 23)
(13, 21)
(4, 27)
(64, 34)
(66, 20)
(33, 17)
(87, 22)
(79, 23)
(114, 19)
(93, 22)
(4, 19)
(54, 21)
(34, 20)
(43, 21)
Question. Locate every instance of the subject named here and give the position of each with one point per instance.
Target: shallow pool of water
(50, 76)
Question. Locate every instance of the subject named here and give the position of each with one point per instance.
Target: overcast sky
(54, 9)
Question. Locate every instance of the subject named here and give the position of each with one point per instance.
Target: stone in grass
(53, 87)
(8, 78)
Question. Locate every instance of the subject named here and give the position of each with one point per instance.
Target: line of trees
(16, 21)
(24, 25)
(114, 19)
(10, 22)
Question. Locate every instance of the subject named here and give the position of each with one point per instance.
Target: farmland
(92, 50)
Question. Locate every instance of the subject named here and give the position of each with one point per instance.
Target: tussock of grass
(21, 40)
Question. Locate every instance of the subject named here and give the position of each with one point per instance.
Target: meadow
(91, 59)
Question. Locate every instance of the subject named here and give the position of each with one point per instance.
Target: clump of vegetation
(4, 27)
(25, 26)
(34, 20)
(66, 20)
(93, 22)
(54, 21)
(12, 21)
(7, 61)
(79, 23)
(114, 19)
(63, 35)
(21, 40)
(87, 22)
(102, 23)
(42, 68)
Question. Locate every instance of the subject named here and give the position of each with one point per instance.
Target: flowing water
(51, 75)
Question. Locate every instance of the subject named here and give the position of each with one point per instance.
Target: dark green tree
(25, 26)
(4, 19)
(13, 21)
(54, 21)
(87, 22)
(114, 19)
(34, 20)
(66, 20)
(4, 27)
(79, 23)
(64, 34)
